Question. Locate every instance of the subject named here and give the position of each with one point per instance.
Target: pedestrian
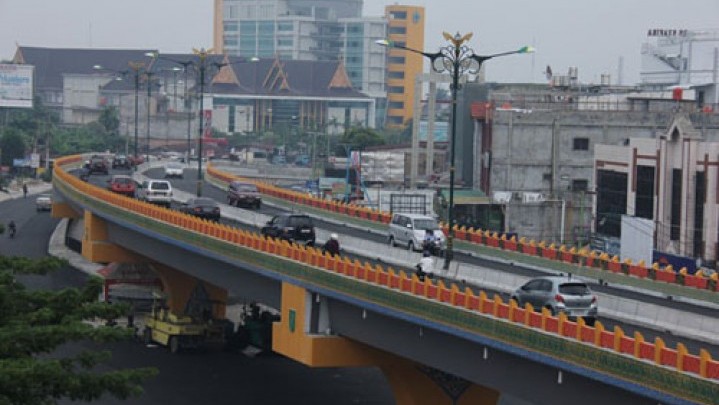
(24, 190)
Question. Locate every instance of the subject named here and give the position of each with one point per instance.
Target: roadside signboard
(16, 85)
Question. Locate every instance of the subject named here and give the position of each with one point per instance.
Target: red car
(122, 184)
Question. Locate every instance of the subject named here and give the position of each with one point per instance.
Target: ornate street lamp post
(201, 64)
(456, 58)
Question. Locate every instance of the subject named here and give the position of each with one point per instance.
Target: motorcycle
(434, 247)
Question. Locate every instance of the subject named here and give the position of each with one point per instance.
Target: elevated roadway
(428, 339)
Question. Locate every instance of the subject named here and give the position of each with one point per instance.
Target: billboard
(16, 85)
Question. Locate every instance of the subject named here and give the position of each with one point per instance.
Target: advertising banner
(16, 85)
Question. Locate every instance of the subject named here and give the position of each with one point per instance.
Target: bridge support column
(299, 335)
(95, 246)
(189, 295)
(63, 210)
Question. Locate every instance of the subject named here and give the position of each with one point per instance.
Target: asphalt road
(189, 184)
(211, 377)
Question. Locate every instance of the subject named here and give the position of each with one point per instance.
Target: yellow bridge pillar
(95, 246)
(183, 291)
(411, 383)
(63, 210)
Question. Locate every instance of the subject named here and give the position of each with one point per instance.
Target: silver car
(559, 294)
(43, 202)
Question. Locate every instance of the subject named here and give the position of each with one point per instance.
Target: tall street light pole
(148, 75)
(456, 58)
(202, 66)
(137, 68)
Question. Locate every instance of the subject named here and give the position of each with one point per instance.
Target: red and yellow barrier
(656, 352)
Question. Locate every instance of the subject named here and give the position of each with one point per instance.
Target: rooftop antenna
(620, 71)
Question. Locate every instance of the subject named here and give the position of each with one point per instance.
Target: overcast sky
(589, 35)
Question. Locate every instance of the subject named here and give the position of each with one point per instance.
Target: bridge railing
(559, 254)
(610, 351)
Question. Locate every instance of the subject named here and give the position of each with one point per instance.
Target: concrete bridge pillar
(63, 210)
(95, 246)
(299, 335)
(189, 295)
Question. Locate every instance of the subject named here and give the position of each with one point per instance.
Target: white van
(410, 230)
(156, 192)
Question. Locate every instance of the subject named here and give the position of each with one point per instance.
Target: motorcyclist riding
(332, 246)
(425, 267)
(12, 228)
(429, 244)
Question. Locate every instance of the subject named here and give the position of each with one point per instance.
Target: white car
(174, 170)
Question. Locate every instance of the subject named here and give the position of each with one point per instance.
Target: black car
(292, 227)
(98, 164)
(121, 161)
(202, 207)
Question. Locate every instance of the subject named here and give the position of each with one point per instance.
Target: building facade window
(393, 120)
(644, 196)
(676, 210)
(580, 185)
(611, 202)
(397, 60)
(395, 75)
(285, 26)
(230, 26)
(397, 30)
(581, 144)
(396, 105)
(700, 194)
(398, 15)
(396, 89)
(285, 41)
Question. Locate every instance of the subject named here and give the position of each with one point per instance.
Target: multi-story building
(245, 96)
(682, 58)
(667, 179)
(314, 30)
(406, 28)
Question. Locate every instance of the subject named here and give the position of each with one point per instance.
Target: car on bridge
(155, 191)
(202, 207)
(559, 294)
(410, 230)
(121, 161)
(242, 193)
(122, 184)
(98, 164)
(296, 228)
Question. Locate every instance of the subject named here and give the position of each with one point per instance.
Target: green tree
(110, 120)
(360, 137)
(33, 324)
(12, 145)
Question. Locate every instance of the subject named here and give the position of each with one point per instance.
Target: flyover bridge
(436, 343)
